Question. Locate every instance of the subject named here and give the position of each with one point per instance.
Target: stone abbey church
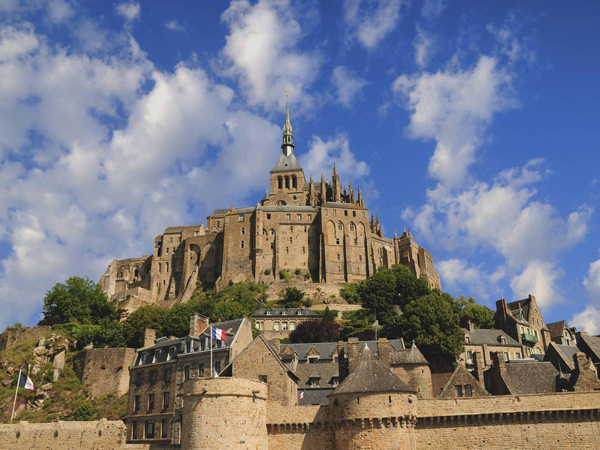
(320, 230)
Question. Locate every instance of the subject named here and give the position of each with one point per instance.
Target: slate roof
(314, 396)
(325, 371)
(327, 349)
(556, 328)
(530, 377)
(279, 312)
(593, 342)
(489, 337)
(407, 356)
(220, 212)
(564, 352)
(370, 376)
(290, 208)
(285, 163)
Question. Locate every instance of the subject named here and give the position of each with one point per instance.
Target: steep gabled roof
(370, 376)
(286, 163)
(556, 328)
(530, 377)
(407, 356)
(482, 336)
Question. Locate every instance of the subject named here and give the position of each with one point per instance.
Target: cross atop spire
(288, 140)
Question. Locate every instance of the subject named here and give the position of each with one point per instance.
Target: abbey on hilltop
(321, 230)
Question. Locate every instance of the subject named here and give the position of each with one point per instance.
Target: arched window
(294, 181)
(340, 226)
(280, 182)
(287, 182)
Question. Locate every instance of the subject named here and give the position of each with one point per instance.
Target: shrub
(298, 272)
(267, 271)
(292, 297)
(284, 275)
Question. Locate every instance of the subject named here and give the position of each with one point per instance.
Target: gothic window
(167, 250)
(340, 226)
(287, 182)
(326, 213)
(218, 224)
(159, 267)
(352, 226)
(272, 232)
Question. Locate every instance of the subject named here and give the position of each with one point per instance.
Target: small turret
(323, 191)
(335, 186)
(288, 140)
(361, 200)
(312, 197)
(352, 199)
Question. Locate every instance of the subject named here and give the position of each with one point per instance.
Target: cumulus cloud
(370, 24)
(322, 155)
(348, 85)
(99, 153)
(129, 10)
(538, 278)
(470, 280)
(422, 45)
(432, 9)
(59, 11)
(589, 319)
(174, 25)
(262, 51)
(454, 107)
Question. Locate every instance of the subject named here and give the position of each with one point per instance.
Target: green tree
(315, 331)
(78, 299)
(85, 412)
(142, 318)
(350, 293)
(292, 297)
(481, 316)
(430, 322)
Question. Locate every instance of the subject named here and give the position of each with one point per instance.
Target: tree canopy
(324, 330)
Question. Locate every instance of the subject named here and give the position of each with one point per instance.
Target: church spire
(288, 140)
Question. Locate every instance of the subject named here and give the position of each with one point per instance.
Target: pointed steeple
(288, 140)
(351, 191)
(361, 201)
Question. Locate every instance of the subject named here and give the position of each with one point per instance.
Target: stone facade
(278, 323)
(321, 230)
(106, 370)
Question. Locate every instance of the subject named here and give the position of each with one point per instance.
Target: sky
(474, 124)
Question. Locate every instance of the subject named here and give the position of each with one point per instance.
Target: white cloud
(432, 9)
(540, 279)
(459, 275)
(454, 107)
(322, 155)
(59, 10)
(262, 51)
(371, 24)
(78, 188)
(347, 85)
(129, 10)
(174, 25)
(422, 45)
(589, 319)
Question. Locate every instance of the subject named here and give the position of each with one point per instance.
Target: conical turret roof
(370, 376)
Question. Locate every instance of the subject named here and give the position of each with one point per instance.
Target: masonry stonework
(106, 370)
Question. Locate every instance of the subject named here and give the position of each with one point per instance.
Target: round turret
(372, 408)
(224, 413)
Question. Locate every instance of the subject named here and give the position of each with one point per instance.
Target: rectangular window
(353, 213)
(363, 214)
(304, 250)
(268, 216)
(217, 367)
(134, 430)
(188, 347)
(506, 356)
(166, 399)
(144, 356)
(150, 402)
(337, 241)
(262, 378)
(243, 231)
(284, 326)
(287, 249)
(517, 356)
(345, 212)
(262, 326)
(298, 216)
(459, 390)
(288, 217)
(292, 326)
(153, 377)
(201, 370)
(309, 216)
(186, 372)
(167, 376)
(326, 213)
(338, 257)
(140, 378)
(203, 344)
(335, 212)
(242, 244)
(164, 428)
(136, 403)
(171, 353)
(167, 250)
(468, 390)
(150, 429)
(276, 326)
(241, 218)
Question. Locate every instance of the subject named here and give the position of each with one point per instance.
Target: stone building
(157, 377)
(561, 333)
(523, 321)
(278, 323)
(487, 342)
(457, 384)
(320, 229)
(520, 377)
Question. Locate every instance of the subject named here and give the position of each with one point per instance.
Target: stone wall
(106, 370)
(97, 435)
(14, 335)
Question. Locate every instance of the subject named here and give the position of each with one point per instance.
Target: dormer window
(502, 340)
(188, 347)
(144, 356)
(467, 339)
(171, 353)
(284, 312)
(268, 312)
(299, 312)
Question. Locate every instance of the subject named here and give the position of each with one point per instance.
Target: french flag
(301, 396)
(218, 334)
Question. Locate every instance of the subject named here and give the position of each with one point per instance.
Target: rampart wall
(106, 370)
(14, 335)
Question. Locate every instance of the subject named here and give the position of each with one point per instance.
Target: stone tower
(372, 408)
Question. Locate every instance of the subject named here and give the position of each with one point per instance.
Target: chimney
(579, 335)
(470, 326)
(479, 367)
(501, 307)
(342, 356)
(498, 375)
(353, 353)
(384, 349)
(149, 337)
(198, 324)
(276, 344)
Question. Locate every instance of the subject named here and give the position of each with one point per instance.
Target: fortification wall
(106, 370)
(567, 420)
(302, 427)
(14, 335)
(224, 413)
(97, 435)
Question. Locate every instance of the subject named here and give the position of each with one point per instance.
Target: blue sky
(475, 124)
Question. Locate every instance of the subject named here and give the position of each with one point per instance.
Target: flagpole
(15, 401)
(211, 365)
